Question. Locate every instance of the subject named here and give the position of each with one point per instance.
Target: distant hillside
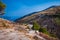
(53, 10)
(46, 18)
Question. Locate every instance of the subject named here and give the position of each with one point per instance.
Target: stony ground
(10, 34)
(13, 31)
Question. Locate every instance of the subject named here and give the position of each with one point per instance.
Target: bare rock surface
(10, 34)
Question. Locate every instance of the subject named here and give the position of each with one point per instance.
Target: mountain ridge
(36, 12)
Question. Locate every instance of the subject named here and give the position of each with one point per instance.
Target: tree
(2, 7)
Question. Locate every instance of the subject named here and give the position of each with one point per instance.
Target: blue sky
(18, 8)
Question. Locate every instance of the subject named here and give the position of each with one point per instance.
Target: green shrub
(57, 20)
(35, 26)
(43, 30)
(2, 5)
(53, 35)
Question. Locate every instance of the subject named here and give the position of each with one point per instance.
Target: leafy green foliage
(43, 30)
(2, 5)
(57, 20)
(35, 26)
(52, 35)
(39, 28)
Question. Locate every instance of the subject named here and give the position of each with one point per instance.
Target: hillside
(15, 31)
(35, 15)
(46, 18)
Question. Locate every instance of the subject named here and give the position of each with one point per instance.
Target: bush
(35, 26)
(39, 28)
(57, 20)
(43, 30)
(53, 35)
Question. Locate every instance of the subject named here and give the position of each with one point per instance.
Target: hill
(53, 10)
(15, 31)
(47, 18)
